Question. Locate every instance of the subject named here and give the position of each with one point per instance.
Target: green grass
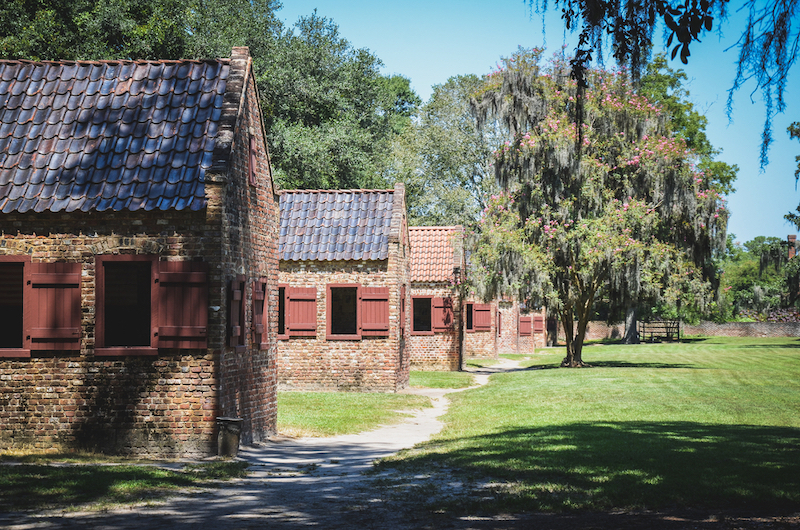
(441, 379)
(480, 363)
(712, 423)
(70, 487)
(333, 413)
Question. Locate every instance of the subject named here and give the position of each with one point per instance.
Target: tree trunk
(574, 339)
(631, 334)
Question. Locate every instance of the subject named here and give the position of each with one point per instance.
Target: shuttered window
(442, 314)
(260, 314)
(525, 326)
(300, 316)
(482, 317)
(236, 312)
(343, 315)
(499, 323)
(143, 305)
(402, 310)
(538, 324)
(375, 311)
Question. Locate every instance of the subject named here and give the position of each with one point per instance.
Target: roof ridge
(354, 190)
(115, 61)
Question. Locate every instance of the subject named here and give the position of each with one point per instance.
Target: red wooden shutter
(402, 310)
(301, 311)
(236, 300)
(442, 314)
(53, 312)
(524, 326)
(538, 324)
(182, 301)
(260, 314)
(482, 317)
(375, 311)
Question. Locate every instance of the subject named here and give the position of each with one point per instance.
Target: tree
(629, 213)
(444, 159)
(768, 46)
(329, 112)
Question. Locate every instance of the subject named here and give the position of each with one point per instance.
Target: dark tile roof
(109, 135)
(435, 251)
(327, 225)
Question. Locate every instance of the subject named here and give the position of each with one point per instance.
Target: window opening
(469, 316)
(422, 314)
(11, 309)
(281, 310)
(344, 314)
(127, 303)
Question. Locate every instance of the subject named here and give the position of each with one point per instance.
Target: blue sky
(430, 41)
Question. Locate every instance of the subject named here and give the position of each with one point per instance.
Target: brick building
(344, 269)
(437, 263)
(138, 256)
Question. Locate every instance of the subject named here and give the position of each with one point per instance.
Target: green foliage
(619, 207)
(443, 158)
(650, 427)
(330, 114)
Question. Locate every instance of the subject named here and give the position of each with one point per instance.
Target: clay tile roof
(435, 251)
(109, 135)
(328, 225)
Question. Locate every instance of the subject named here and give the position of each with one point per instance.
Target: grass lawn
(36, 486)
(479, 363)
(441, 379)
(711, 423)
(333, 413)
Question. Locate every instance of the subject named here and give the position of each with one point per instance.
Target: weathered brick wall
(742, 329)
(163, 405)
(482, 344)
(248, 376)
(439, 351)
(508, 339)
(597, 330)
(372, 364)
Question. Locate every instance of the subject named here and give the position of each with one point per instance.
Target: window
(252, 160)
(11, 307)
(479, 317)
(499, 324)
(421, 313)
(538, 324)
(40, 306)
(143, 305)
(343, 312)
(354, 311)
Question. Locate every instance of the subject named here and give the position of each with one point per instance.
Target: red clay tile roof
(434, 252)
(327, 225)
(109, 134)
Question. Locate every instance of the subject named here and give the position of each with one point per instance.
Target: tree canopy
(768, 46)
(630, 213)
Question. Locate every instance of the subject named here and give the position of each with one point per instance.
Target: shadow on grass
(30, 487)
(628, 465)
(625, 364)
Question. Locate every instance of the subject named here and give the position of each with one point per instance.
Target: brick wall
(508, 339)
(439, 351)
(249, 224)
(742, 329)
(482, 344)
(371, 364)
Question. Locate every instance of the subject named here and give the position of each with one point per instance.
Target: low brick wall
(743, 329)
(598, 330)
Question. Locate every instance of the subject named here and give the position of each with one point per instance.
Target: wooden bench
(659, 330)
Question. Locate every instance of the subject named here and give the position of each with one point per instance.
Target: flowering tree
(624, 210)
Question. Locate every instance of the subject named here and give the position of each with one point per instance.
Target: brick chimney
(792, 239)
